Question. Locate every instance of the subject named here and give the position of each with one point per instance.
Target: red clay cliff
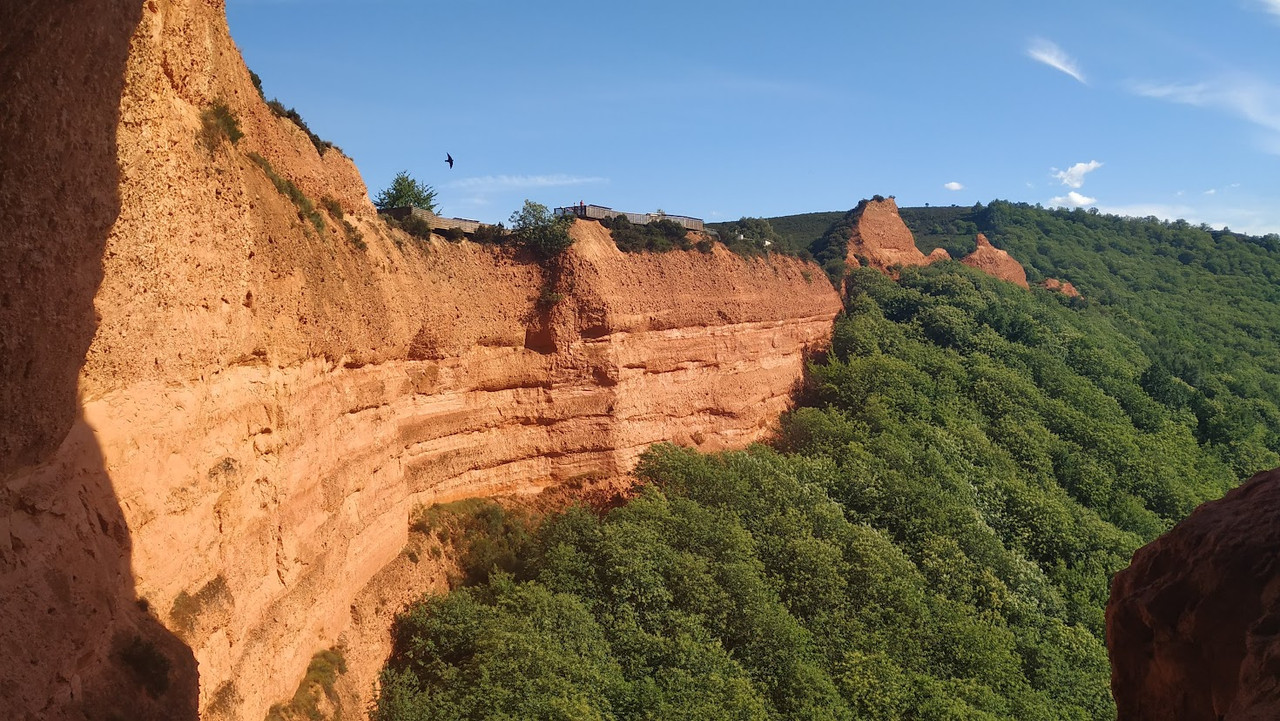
(1193, 624)
(219, 417)
(995, 262)
(881, 239)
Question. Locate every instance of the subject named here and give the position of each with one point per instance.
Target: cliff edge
(1193, 624)
(225, 411)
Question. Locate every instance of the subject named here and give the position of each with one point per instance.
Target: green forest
(933, 532)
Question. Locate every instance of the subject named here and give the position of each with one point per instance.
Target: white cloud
(1073, 177)
(1211, 191)
(1248, 98)
(1271, 6)
(953, 185)
(512, 182)
(1072, 200)
(1047, 52)
(1253, 221)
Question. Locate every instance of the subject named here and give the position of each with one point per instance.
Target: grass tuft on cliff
(316, 690)
(287, 188)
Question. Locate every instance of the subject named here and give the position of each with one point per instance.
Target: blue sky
(725, 109)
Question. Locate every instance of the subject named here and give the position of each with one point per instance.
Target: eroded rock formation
(222, 416)
(1193, 625)
(995, 262)
(880, 238)
(1060, 286)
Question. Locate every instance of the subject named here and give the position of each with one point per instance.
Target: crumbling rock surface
(220, 419)
(995, 262)
(881, 239)
(1193, 624)
(1061, 286)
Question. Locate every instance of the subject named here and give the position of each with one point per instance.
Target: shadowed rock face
(1193, 625)
(75, 641)
(993, 261)
(231, 414)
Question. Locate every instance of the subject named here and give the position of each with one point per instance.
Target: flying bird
(449, 159)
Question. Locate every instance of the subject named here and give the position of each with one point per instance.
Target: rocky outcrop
(223, 415)
(995, 262)
(1193, 625)
(882, 240)
(1060, 286)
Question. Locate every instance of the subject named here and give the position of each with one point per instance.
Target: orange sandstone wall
(226, 417)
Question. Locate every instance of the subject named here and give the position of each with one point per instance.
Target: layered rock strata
(225, 413)
(1193, 624)
(996, 262)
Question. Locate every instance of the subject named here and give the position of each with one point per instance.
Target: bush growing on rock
(405, 191)
(218, 124)
(534, 227)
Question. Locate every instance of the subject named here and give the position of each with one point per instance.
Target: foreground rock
(1193, 625)
(995, 262)
(220, 414)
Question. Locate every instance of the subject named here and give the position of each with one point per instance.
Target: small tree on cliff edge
(403, 191)
(535, 228)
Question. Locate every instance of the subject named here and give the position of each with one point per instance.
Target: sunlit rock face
(995, 262)
(883, 241)
(224, 412)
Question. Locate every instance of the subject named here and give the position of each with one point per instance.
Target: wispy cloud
(485, 183)
(1271, 6)
(1073, 200)
(1247, 98)
(953, 185)
(1073, 177)
(1048, 52)
(1211, 191)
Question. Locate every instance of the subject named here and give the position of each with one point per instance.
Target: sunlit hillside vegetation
(932, 534)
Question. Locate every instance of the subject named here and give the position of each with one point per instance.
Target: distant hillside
(951, 227)
(801, 230)
(796, 232)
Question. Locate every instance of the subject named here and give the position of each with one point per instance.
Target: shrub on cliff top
(657, 237)
(292, 115)
(535, 228)
(405, 191)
